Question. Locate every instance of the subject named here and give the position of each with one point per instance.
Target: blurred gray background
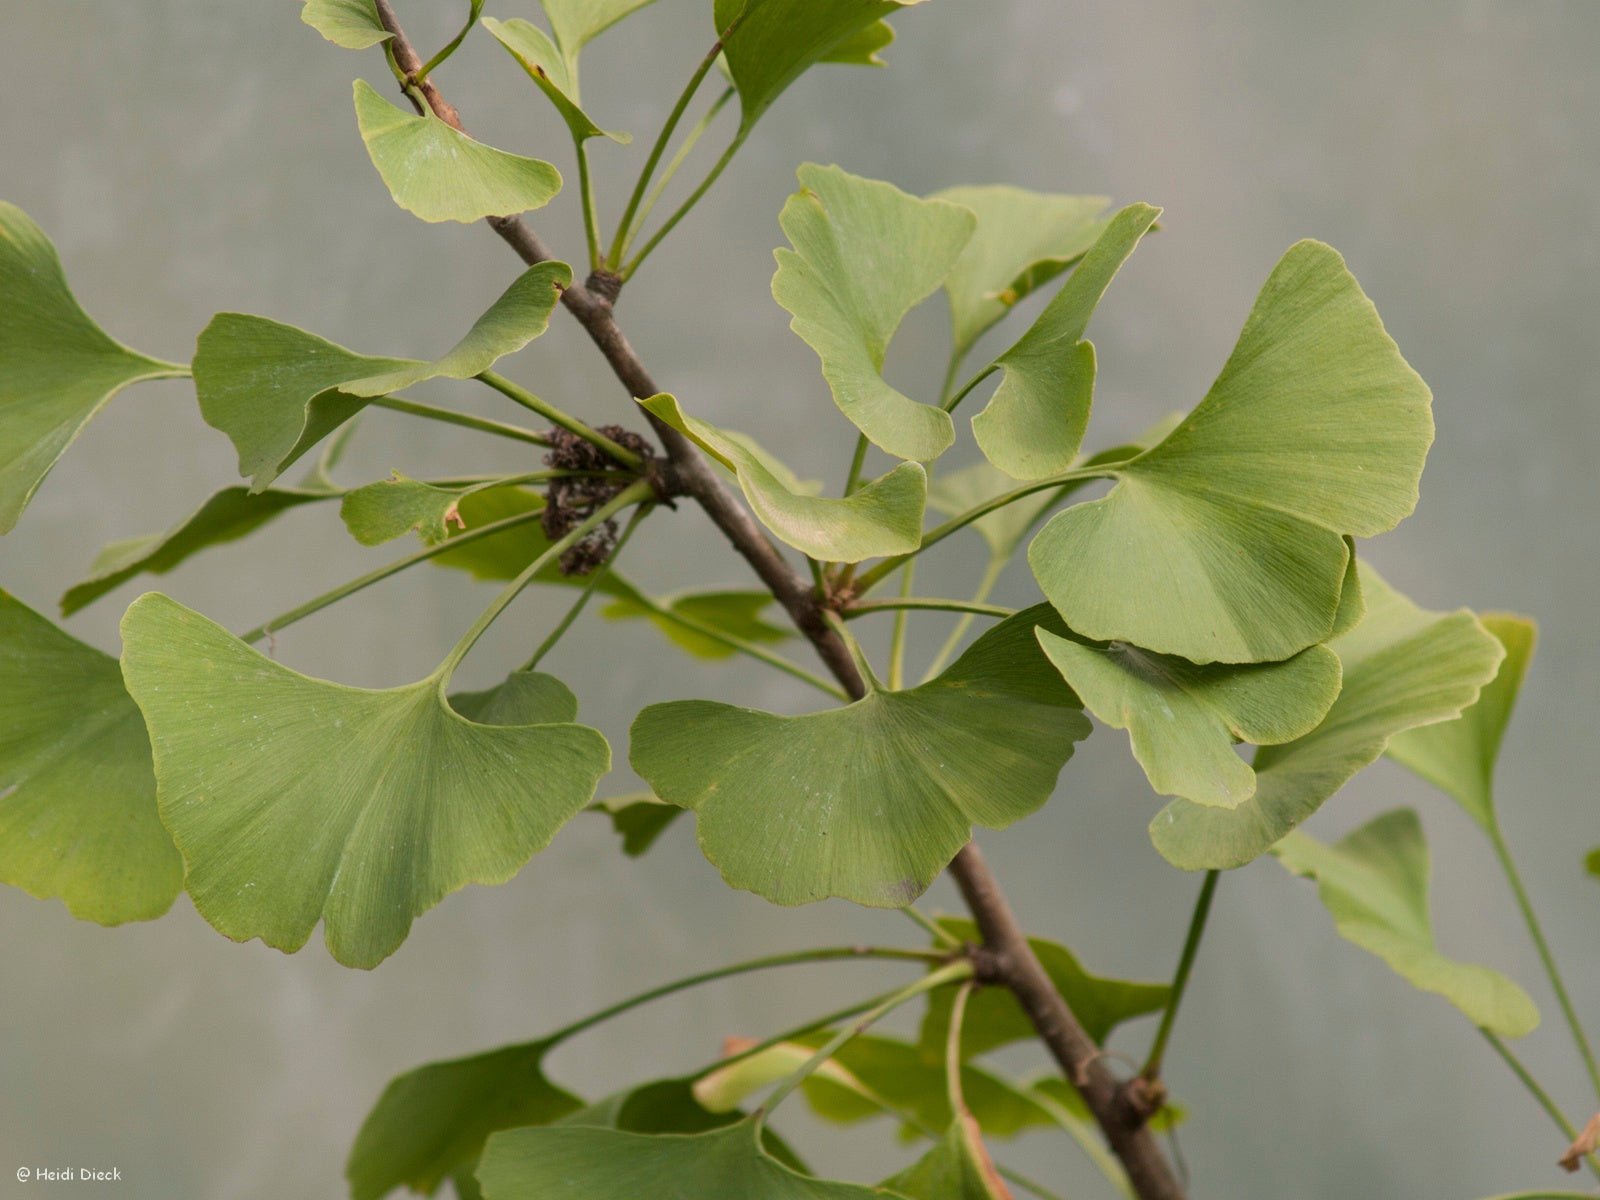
(190, 157)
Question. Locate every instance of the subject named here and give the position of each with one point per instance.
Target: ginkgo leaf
(1404, 667)
(392, 508)
(1375, 884)
(883, 517)
(868, 802)
(777, 40)
(565, 1162)
(1183, 720)
(865, 254)
(737, 613)
(353, 24)
(638, 818)
(1459, 756)
(77, 795)
(672, 1106)
(1035, 421)
(994, 1018)
(546, 66)
(295, 800)
(432, 1122)
(957, 1168)
(1226, 542)
(863, 49)
(438, 173)
(57, 367)
(1024, 240)
(276, 390)
(576, 23)
(227, 516)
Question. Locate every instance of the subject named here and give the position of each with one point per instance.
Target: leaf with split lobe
(1459, 756)
(548, 69)
(883, 517)
(77, 794)
(957, 1168)
(868, 802)
(353, 24)
(994, 1018)
(776, 41)
(1404, 667)
(1034, 423)
(576, 23)
(276, 390)
(1183, 719)
(734, 612)
(228, 515)
(864, 255)
(295, 800)
(391, 508)
(438, 173)
(1024, 240)
(57, 367)
(563, 1162)
(1375, 885)
(1226, 542)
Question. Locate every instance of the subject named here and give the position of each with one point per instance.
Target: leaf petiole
(570, 423)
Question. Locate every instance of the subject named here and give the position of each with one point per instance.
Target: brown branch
(1017, 966)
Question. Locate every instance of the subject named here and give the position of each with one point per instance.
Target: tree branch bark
(1017, 966)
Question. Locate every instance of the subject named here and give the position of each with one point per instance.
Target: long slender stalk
(936, 931)
(589, 586)
(1180, 981)
(952, 1049)
(591, 214)
(1546, 956)
(966, 388)
(465, 420)
(991, 576)
(926, 603)
(687, 206)
(685, 148)
(568, 422)
(857, 462)
(897, 641)
(1551, 1108)
(450, 47)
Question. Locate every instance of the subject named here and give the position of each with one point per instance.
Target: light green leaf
(865, 254)
(1225, 543)
(778, 40)
(276, 390)
(502, 557)
(957, 1168)
(737, 613)
(1035, 421)
(883, 517)
(227, 516)
(1403, 667)
(392, 508)
(1459, 756)
(1375, 884)
(438, 173)
(543, 62)
(57, 367)
(868, 802)
(638, 818)
(432, 1122)
(296, 800)
(576, 23)
(1023, 241)
(77, 796)
(1183, 720)
(994, 1018)
(353, 24)
(564, 1162)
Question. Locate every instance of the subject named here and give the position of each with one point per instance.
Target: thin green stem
(690, 141)
(284, 620)
(938, 932)
(991, 576)
(793, 958)
(591, 214)
(1102, 1158)
(687, 206)
(1551, 1108)
(857, 654)
(472, 19)
(897, 642)
(570, 423)
(1546, 956)
(465, 420)
(954, 972)
(853, 480)
(952, 1049)
(949, 381)
(966, 388)
(864, 608)
(595, 576)
(1180, 981)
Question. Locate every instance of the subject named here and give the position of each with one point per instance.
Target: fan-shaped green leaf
(994, 1018)
(353, 24)
(865, 254)
(563, 1162)
(777, 40)
(276, 390)
(1225, 543)
(57, 367)
(1183, 719)
(1459, 756)
(957, 1168)
(737, 613)
(868, 802)
(546, 66)
(438, 173)
(1403, 667)
(638, 818)
(77, 796)
(432, 1122)
(1035, 421)
(392, 508)
(576, 23)
(295, 800)
(227, 516)
(1023, 241)
(1375, 884)
(883, 517)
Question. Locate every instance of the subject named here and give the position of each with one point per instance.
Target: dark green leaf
(639, 818)
(957, 1168)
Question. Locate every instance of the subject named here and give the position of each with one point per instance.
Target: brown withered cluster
(569, 501)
